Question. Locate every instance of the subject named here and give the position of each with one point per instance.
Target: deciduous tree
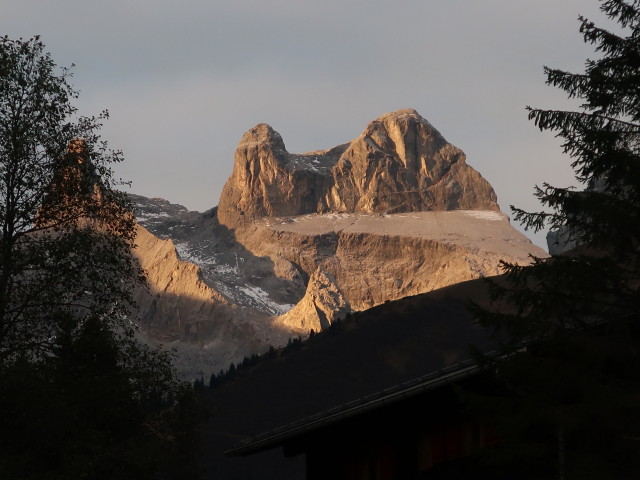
(65, 230)
(80, 396)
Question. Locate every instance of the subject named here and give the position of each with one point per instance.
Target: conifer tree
(569, 326)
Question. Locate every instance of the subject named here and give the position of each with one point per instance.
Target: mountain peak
(399, 163)
(403, 115)
(260, 134)
(406, 118)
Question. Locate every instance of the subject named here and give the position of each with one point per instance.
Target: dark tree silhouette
(569, 326)
(80, 396)
(65, 231)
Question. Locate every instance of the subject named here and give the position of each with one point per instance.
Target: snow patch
(261, 297)
(226, 270)
(189, 255)
(485, 215)
(143, 216)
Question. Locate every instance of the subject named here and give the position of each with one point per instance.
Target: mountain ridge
(298, 241)
(399, 163)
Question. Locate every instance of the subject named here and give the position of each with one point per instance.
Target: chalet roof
(385, 397)
(398, 348)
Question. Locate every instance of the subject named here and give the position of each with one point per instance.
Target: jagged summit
(299, 240)
(399, 163)
(260, 135)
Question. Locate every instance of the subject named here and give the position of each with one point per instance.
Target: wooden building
(417, 429)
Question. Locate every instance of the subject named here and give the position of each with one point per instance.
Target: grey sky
(183, 80)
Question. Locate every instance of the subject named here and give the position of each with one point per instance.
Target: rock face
(322, 303)
(375, 258)
(400, 163)
(559, 242)
(177, 296)
(179, 309)
(298, 241)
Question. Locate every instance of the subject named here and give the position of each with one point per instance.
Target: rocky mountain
(400, 163)
(299, 240)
